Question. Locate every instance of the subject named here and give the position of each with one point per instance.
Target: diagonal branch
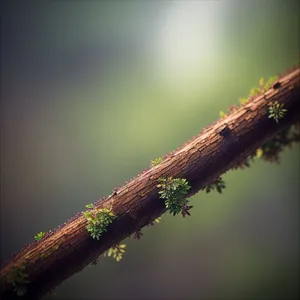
(217, 149)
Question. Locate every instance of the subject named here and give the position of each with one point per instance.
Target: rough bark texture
(68, 249)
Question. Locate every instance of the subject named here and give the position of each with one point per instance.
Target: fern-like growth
(276, 111)
(173, 191)
(156, 161)
(98, 220)
(116, 252)
(39, 236)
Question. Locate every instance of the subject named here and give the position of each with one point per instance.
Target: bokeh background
(93, 90)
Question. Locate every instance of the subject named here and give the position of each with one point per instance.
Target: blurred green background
(92, 91)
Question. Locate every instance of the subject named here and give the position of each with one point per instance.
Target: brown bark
(200, 161)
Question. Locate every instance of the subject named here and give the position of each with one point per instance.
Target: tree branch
(217, 149)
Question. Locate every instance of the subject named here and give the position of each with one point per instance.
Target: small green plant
(173, 191)
(218, 184)
(276, 110)
(222, 114)
(156, 161)
(259, 153)
(261, 82)
(98, 220)
(157, 220)
(39, 236)
(116, 252)
(19, 279)
(243, 100)
(270, 81)
(254, 91)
